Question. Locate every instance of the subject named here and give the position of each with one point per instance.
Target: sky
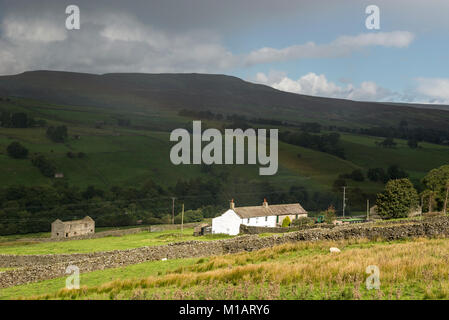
(319, 47)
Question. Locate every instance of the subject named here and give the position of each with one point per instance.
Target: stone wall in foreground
(42, 267)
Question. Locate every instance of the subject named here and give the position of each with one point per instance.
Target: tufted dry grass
(306, 270)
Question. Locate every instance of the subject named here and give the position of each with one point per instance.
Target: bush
(17, 151)
(286, 222)
(190, 216)
(304, 221)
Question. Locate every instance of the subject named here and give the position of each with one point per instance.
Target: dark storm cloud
(170, 14)
(162, 36)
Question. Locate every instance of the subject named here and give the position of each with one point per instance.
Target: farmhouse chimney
(232, 204)
(265, 203)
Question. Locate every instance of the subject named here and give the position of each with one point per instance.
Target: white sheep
(333, 249)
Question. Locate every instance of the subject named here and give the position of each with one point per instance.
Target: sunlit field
(415, 269)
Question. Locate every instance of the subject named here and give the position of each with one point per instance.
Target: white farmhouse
(259, 216)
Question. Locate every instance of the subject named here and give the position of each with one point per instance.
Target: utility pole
(344, 201)
(182, 219)
(173, 210)
(367, 209)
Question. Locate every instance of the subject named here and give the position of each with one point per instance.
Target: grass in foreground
(105, 244)
(415, 269)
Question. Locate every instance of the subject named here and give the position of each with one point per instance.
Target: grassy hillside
(130, 155)
(94, 109)
(413, 269)
(226, 94)
(110, 243)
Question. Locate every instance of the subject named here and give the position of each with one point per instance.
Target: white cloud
(342, 46)
(318, 85)
(436, 90)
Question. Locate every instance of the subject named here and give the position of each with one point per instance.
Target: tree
(397, 200)
(387, 143)
(437, 181)
(329, 214)
(394, 172)
(17, 151)
(377, 174)
(19, 120)
(44, 166)
(57, 134)
(446, 197)
(430, 195)
(338, 184)
(356, 175)
(190, 216)
(286, 222)
(412, 143)
(5, 119)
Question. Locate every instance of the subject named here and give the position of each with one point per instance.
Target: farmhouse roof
(270, 210)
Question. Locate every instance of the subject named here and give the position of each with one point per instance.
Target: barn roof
(84, 220)
(269, 210)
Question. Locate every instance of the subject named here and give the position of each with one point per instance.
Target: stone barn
(75, 228)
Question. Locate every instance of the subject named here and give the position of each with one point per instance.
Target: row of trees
(329, 142)
(390, 143)
(19, 120)
(32, 209)
(400, 196)
(374, 174)
(382, 175)
(412, 135)
(45, 166)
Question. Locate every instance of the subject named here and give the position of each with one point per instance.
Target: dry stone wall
(258, 230)
(37, 268)
(114, 233)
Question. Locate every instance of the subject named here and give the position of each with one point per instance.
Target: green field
(414, 269)
(110, 243)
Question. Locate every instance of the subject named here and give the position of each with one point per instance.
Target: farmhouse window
(277, 219)
(248, 220)
(266, 218)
